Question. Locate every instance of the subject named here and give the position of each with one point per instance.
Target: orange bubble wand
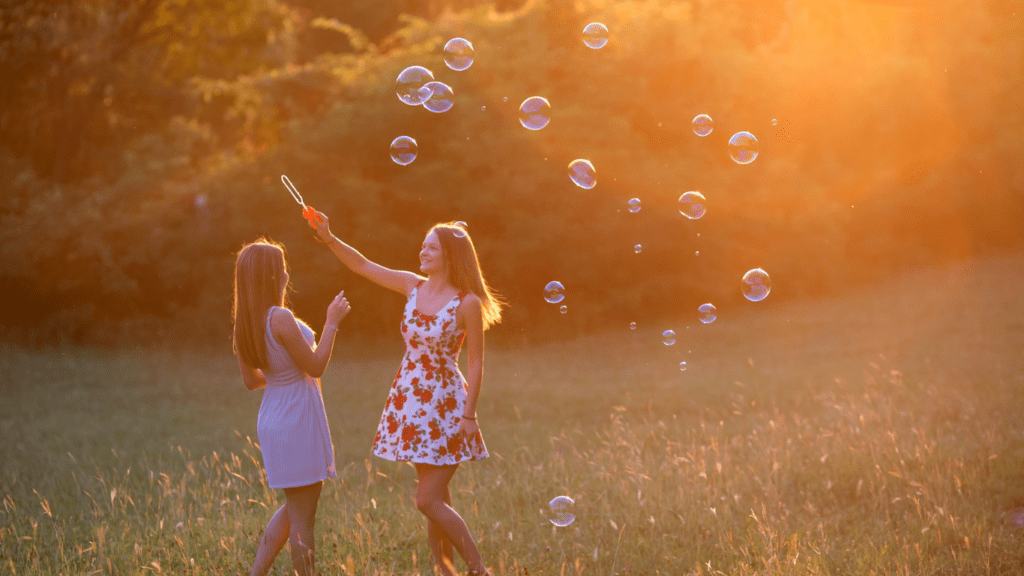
(307, 211)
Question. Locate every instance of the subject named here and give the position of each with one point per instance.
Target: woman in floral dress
(430, 415)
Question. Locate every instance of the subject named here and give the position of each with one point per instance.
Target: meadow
(875, 432)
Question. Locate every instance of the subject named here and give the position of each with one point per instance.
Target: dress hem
(395, 459)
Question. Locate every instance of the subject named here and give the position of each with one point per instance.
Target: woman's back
(281, 368)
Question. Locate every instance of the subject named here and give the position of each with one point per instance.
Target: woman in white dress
(277, 353)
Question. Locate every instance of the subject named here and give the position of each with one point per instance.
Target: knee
(426, 504)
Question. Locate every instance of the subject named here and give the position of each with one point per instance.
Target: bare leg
(430, 499)
(440, 545)
(302, 502)
(274, 537)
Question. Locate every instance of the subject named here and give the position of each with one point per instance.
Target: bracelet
(468, 418)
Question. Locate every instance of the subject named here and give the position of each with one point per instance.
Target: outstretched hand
(323, 227)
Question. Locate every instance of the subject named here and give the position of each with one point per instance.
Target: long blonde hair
(258, 272)
(464, 269)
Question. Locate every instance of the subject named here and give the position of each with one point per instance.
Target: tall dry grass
(874, 434)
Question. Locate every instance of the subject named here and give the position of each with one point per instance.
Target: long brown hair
(258, 272)
(464, 269)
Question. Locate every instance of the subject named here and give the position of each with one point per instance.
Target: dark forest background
(142, 142)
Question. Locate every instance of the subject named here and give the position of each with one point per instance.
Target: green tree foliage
(897, 144)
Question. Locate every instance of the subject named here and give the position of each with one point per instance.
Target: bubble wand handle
(308, 212)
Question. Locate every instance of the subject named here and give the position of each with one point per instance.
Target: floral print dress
(422, 414)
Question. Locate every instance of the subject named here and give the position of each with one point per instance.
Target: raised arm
(398, 280)
(311, 360)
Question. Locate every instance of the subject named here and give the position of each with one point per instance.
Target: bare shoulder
(281, 319)
(470, 304)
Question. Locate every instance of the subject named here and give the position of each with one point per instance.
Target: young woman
(430, 415)
(276, 352)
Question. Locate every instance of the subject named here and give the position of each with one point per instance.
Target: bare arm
(470, 318)
(251, 377)
(398, 280)
(311, 360)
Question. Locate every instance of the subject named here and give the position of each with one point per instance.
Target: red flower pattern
(423, 411)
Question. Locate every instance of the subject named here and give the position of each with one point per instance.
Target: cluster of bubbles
(416, 86)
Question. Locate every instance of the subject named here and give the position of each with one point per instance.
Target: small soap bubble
(554, 292)
(756, 285)
(563, 309)
(697, 253)
(535, 112)
(583, 174)
(504, 98)
(564, 509)
(403, 150)
(638, 248)
(483, 108)
(707, 313)
(595, 35)
(743, 147)
(411, 85)
(668, 337)
(683, 366)
(775, 122)
(632, 325)
(441, 97)
(458, 54)
(691, 205)
(460, 229)
(634, 205)
(703, 125)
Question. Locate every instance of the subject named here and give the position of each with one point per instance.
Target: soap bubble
(634, 205)
(403, 150)
(563, 508)
(756, 285)
(583, 174)
(703, 125)
(460, 229)
(707, 313)
(743, 147)
(683, 366)
(411, 85)
(691, 205)
(775, 122)
(535, 112)
(441, 97)
(668, 337)
(638, 248)
(458, 54)
(595, 35)
(554, 292)
(632, 325)
(563, 309)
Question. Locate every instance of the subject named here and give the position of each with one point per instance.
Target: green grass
(876, 433)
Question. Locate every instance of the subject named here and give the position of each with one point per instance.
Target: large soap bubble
(458, 54)
(411, 85)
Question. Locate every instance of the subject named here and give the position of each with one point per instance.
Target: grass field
(881, 432)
